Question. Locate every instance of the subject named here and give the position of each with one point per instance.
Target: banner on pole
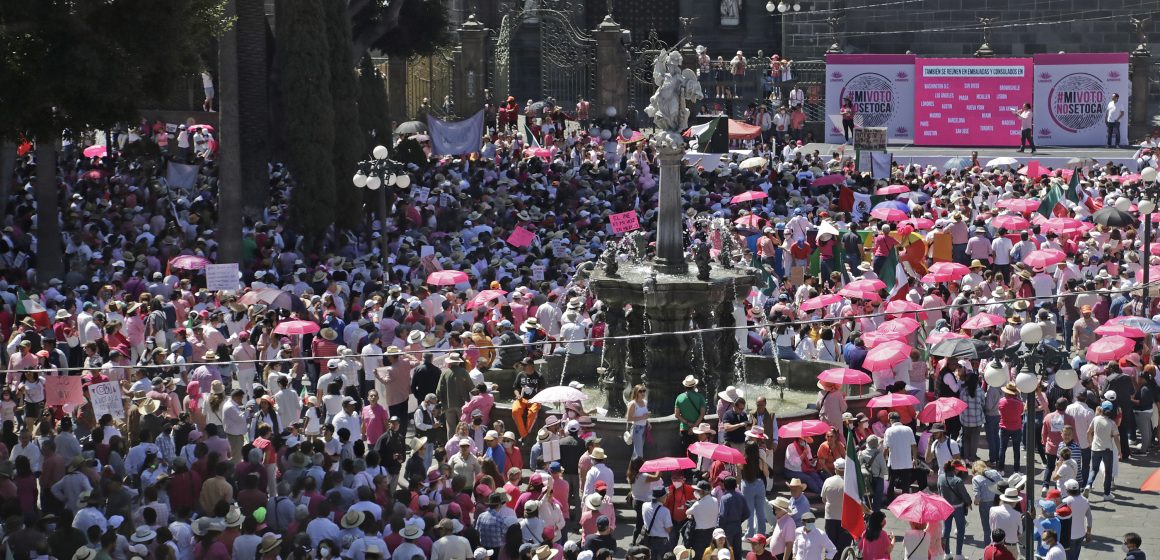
(455, 138)
(624, 221)
(1072, 92)
(881, 87)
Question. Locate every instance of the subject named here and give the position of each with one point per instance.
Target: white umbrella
(559, 393)
(754, 163)
(1001, 161)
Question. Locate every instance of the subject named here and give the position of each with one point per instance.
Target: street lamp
(375, 173)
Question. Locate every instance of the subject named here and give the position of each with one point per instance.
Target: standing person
(1052, 435)
(1104, 435)
(689, 410)
(1026, 126)
(678, 499)
(1081, 518)
(207, 86)
(833, 496)
(658, 521)
(952, 489)
(637, 416)
(848, 112)
(985, 483)
(876, 543)
(703, 515)
(831, 406)
(1112, 117)
(784, 527)
(528, 383)
(901, 454)
(1010, 424)
(394, 381)
(1143, 403)
(1131, 547)
(1007, 520)
(811, 543)
(734, 511)
(1082, 414)
(454, 390)
(998, 549)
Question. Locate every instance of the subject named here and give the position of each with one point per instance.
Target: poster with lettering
(881, 86)
(106, 399)
(969, 101)
(60, 390)
(521, 237)
(222, 276)
(624, 221)
(1072, 92)
(538, 272)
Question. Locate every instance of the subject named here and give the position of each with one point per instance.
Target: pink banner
(624, 221)
(969, 101)
(60, 390)
(521, 237)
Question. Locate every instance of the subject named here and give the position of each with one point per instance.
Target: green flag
(890, 270)
(703, 133)
(1073, 188)
(1050, 199)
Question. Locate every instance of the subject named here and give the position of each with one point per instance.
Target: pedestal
(611, 69)
(471, 67)
(670, 257)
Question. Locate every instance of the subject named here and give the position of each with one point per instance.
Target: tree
(373, 110)
(348, 143)
(86, 64)
(403, 28)
(309, 113)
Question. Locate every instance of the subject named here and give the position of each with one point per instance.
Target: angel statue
(675, 87)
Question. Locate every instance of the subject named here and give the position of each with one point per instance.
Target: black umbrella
(411, 127)
(1112, 217)
(968, 348)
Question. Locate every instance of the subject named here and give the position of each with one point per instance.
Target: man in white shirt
(599, 473)
(1083, 416)
(1113, 116)
(1081, 515)
(901, 452)
(1005, 517)
(833, 495)
(349, 419)
(450, 546)
(811, 543)
(1001, 250)
(658, 523)
(796, 97)
(703, 513)
(235, 423)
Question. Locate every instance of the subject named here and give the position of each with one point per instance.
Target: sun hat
(143, 535)
(731, 394)
(1011, 389)
(411, 532)
(704, 428)
(234, 518)
(689, 381)
(270, 542)
(780, 502)
(598, 453)
(594, 501)
(352, 519)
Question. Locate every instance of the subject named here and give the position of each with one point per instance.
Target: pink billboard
(969, 101)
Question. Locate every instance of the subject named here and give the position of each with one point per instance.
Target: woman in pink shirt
(1010, 423)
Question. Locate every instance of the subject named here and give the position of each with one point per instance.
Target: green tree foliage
(402, 28)
(309, 115)
(374, 114)
(344, 89)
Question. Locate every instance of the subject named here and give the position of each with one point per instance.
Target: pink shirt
(374, 418)
(1011, 413)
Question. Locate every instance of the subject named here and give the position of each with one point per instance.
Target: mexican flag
(854, 489)
(1051, 200)
(701, 134)
(532, 141)
(27, 306)
(1072, 193)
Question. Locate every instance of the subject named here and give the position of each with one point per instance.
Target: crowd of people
(338, 404)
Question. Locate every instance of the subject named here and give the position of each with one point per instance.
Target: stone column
(471, 70)
(1138, 64)
(670, 240)
(614, 359)
(668, 354)
(611, 68)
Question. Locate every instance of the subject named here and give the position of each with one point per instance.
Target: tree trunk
(230, 187)
(253, 104)
(50, 249)
(7, 170)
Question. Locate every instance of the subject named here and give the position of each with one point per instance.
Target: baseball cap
(758, 538)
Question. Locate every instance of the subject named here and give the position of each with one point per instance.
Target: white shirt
(657, 524)
(1083, 415)
(351, 422)
(833, 494)
(598, 472)
(814, 545)
(1006, 518)
(1001, 248)
(234, 419)
(899, 439)
(1114, 113)
(704, 512)
(1055, 553)
(1081, 511)
(322, 528)
(451, 547)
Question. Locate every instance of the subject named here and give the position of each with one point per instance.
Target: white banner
(881, 87)
(456, 138)
(1072, 92)
(222, 276)
(106, 399)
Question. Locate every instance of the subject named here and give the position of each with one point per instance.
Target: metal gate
(430, 77)
(641, 57)
(567, 53)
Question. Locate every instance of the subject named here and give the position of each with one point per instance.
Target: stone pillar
(1138, 64)
(611, 68)
(471, 67)
(668, 354)
(613, 360)
(396, 73)
(670, 240)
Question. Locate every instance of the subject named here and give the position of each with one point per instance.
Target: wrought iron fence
(431, 78)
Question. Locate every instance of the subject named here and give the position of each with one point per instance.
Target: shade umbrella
(1021, 205)
(968, 348)
(1061, 225)
(717, 452)
(820, 302)
(1120, 329)
(983, 321)
(752, 221)
(1153, 274)
(901, 325)
(1080, 162)
(921, 507)
(955, 271)
(636, 136)
(941, 409)
(956, 163)
(1112, 217)
(832, 179)
(748, 196)
(96, 151)
(1002, 162)
(446, 277)
(667, 464)
(918, 223)
(937, 337)
(867, 284)
(485, 296)
(886, 356)
(559, 394)
(411, 127)
(854, 293)
(1110, 348)
(753, 163)
(903, 308)
(892, 400)
(889, 214)
(188, 262)
(935, 278)
(895, 204)
(875, 339)
(1152, 483)
(271, 297)
(892, 189)
(1043, 258)
(297, 327)
(201, 127)
(1143, 323)
(1010, 222)
(803, 428)
(844, 376)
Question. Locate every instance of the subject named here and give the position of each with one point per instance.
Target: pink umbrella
(542, 153)
(832, 179)
(941, 409)
(95, 151)
(188, 262)
(752, 221)
(955, 271)
(933, 278)
(844, 376)
(903, 308)
(875, 339)
(1021, 205)
(892, 189)
(803, 428)
(559, 394)
(201, 127)
(1153, 274)
(1010, 222)
(889, 214)
(667, 464)
(1110, 348)
(717, 452)
(940, 336)
(748, 196)
(868, 284)
(820, 302)
(485, 296)
(921, 507)
(886, 356)
(296, 327)
(983, 321)
(1120, 330)
(1062, 225)
(854, 293)
(901, 325)
(918, 223)
(891, 400)
(1043, 258)
(446, 277)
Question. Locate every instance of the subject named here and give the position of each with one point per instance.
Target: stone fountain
(661, 297)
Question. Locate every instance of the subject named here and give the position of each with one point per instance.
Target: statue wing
(660, 68)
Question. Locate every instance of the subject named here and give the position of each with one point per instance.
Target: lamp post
(378, 172)
(1146, 207)
(1036, 361)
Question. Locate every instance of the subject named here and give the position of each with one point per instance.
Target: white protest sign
(222, 276)
(106, 399)
(538, 272)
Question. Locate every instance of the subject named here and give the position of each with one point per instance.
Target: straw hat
(352, 519)
(598, 453)
(594, 501)
(780, 502)
(149, 406)
(1010, 389)
(415, 337)
(270, 542)
(418, 443)
(411, 532)
(756, 432)
(234, 518)
(211, 356)
(144, 535)
(217, 387)
(545, 552)
(1010, 496)
(704, 428)
(796, 483)
(328, 333)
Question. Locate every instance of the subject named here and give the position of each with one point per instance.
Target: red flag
(846, 199)
(1033, 169)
